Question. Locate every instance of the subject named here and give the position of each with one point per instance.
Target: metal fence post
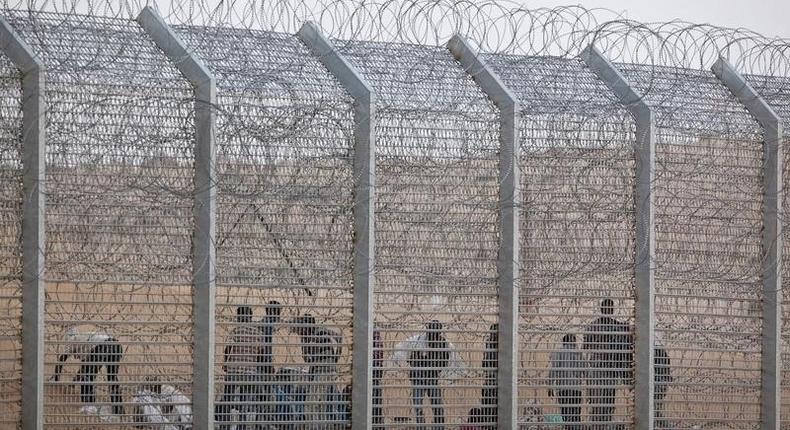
(508, 255)
(364, 194)
(205, 209)
(645, 232)
(33, 181)
(772, 238)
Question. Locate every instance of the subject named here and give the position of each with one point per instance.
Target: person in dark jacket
(474, 421)
(609, 345)
(242, 355)
(268, 377)
(321, 349)
(426, 362)
(430, 358)
(662, 377)
(378, 373)
(565, 378)
(489, 392)
(95, 350)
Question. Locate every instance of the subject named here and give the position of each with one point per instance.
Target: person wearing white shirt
(163, 405)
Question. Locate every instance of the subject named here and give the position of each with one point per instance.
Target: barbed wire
(497, 26)
(120, 163)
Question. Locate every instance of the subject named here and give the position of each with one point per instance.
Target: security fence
(388, 215)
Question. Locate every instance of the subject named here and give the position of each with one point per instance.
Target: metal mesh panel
(10, 245)
(436, 237)
(577, 166)
(118, 310)
(284, 230)
(708, 247)
(776, 92)
(119, 220)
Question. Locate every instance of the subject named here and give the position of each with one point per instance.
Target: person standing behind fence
(663, 377)
(378, 373)
(95, 350)
(268, 377)
(609, 345)
(429, 355)
(321, 349)
(565, 378)
(490, 363)
(243, 353)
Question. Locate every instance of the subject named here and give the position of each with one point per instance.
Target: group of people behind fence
(252, 385)
(254, 390)
(602, 364)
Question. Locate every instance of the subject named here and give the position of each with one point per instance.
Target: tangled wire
(120, 183)
(497, 26)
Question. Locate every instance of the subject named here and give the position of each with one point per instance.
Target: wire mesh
(436, 243)
(708, 248)
(577, 167)
(284, 231)
(10, 245)
(119, 216)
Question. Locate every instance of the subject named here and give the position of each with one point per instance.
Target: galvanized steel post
(644, 254)
(33, 151)
(205, 208)
(508, 255)
(772, 237)
(364, 195)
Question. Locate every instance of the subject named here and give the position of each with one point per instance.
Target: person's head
(433, 329)
(285, 374)
(303, 325)
(475, 416)
(273, 309)
(152, 384)
(569, 340)
(244, 314)
(433, 326)
(607, 306)
(71, 333)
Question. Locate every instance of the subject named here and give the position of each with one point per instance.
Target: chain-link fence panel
(10, 245)
(119, 223)
(436, 238)
(577, 245)
(284, 231)
(708, 199)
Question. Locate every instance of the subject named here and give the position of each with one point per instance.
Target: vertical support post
(772, 240)
(364, 195)
(205, 208)
(645, 232)
(508, 255)
(33, 179)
